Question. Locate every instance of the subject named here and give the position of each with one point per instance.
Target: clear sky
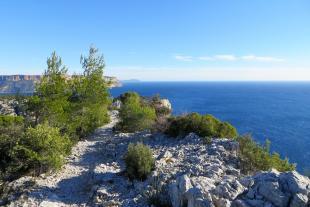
(161, 39)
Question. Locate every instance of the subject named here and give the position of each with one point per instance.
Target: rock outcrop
(7, 107)
(164, 103)
(188, 173)
(113, 81)
(275, 189)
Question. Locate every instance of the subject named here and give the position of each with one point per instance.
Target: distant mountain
(25, 84)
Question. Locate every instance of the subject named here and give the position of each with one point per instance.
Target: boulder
(178, 189)
(195, 198)
(229, 189)
(165, 103)
(275, 189)
(295, 183)
(271, 191)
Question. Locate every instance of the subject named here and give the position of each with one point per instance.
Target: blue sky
(162, 39)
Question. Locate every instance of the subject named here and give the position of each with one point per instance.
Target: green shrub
(11, 129)
(139, 113)
(139, 161)
(134, 115)
(75, 105)
(89, 99)
(255, 157)
(130, 97)
(40, 149)
(202, 125)
(7, 144)
(225, 129)
(11, 125)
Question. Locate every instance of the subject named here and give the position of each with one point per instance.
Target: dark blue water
(279, 111)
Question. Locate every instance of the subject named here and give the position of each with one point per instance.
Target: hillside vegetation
(59, 113)
(138, 113)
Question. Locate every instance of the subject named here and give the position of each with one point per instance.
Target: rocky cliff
(25, 84)
(10, 84)
(188, 173)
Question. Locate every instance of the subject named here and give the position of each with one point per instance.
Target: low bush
(255, 157)
(11, 130)
(134, 114)
(129, 97)
(202, 125)
(139, 161)
(11, 124)
(41, 149)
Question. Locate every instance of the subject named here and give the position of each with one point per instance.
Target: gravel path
(74, 184)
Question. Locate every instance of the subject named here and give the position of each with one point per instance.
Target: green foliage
(255, 157)
(52, 94)
(90, 97)
(139, 161)
(9, 124)
(134, 114)
(202, 125)
(130, 97)
(75, 105)
(33, 110)
(62, 110)
(40, 149)
(225, 129)
(11, 129)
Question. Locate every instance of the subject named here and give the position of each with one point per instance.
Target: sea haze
(279, 111)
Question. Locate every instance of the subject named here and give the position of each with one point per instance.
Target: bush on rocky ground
(129, 96)
(134, 114)
(11, 129)
(41, 149)
(11, 124)
(36, 150)
(255, 157)
(139, 161)
(139, 113)
(202, 125)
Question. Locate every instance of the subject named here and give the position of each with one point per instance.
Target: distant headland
(25, 84)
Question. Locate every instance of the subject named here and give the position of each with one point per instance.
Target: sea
(278, 111)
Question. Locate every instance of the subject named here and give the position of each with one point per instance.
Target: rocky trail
(188, 173)
(73, 184)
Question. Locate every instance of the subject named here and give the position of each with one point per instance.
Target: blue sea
(278, 111)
